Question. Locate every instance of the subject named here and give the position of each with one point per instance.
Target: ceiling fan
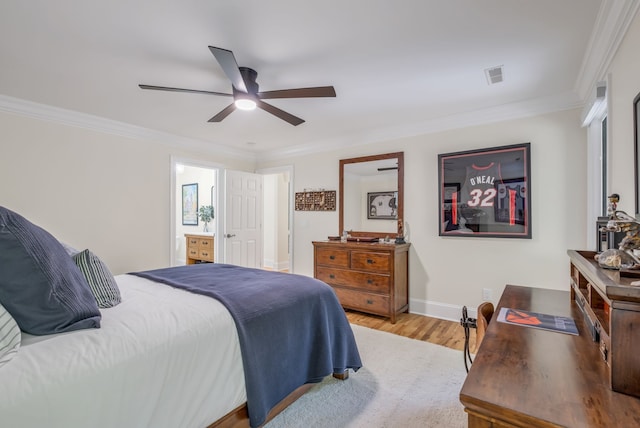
(245, 90)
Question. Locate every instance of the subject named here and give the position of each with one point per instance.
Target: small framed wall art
(486, 192)
(190, 204)
(322, 200)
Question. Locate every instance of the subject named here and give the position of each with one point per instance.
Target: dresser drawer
(205, 254)
(360, 280)
(366, 302)
(205, 243)
(332, 257)
(193, 252)
(193, 242)
(379, 262)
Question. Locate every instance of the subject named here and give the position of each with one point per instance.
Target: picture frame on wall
(190, 204)
(485, 192)
(382, 205)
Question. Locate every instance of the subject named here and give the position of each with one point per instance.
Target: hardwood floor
(433, 330)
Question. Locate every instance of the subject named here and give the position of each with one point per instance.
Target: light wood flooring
(433, 330)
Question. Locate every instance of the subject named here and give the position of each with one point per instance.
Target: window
(603, 167)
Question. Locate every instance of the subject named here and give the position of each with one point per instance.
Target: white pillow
(10, 336)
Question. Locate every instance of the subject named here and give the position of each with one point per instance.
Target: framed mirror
(372, 195)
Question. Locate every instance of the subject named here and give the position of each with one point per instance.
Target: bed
(168, 357)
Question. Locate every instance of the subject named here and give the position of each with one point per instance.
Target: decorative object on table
(190, 204)
(619, 221)
(315, 200)
(382, 205)
(206, 215)
(400, 236)
(485, 193)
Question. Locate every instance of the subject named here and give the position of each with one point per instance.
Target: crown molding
(99, 124)
(612, 23)
(517, 110)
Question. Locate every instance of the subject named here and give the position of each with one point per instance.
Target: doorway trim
(175, 160)
(278, 170)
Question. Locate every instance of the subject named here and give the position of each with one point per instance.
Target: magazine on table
(537, 320)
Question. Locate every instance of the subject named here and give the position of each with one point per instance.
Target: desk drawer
(360, 280)
(332, 257)
(379, 262)
(367, 302)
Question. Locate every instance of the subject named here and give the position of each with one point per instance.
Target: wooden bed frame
(239, 417)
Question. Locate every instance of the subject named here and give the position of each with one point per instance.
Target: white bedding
(163, 358)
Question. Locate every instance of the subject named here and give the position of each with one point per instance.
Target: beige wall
(624, 81)
(446, 273)
(92, 190)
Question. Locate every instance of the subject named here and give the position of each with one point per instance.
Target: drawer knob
(369, 281)
(369, 261)
(332, 276)
(369, 302)
(332, 257)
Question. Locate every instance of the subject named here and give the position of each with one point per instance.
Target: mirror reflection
(371, 199)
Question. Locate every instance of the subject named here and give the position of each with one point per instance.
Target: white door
(243, 219)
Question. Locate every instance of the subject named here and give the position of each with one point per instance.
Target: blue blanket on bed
(292, 329)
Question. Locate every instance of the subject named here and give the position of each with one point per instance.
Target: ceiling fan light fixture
(245, 104)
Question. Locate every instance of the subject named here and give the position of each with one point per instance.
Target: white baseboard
(443, 311)
(281, 266)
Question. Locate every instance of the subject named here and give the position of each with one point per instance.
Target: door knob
(229, 235)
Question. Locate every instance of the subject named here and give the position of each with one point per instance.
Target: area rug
(403, 383)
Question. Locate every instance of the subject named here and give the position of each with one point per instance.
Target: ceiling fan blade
(194, 91)
(224, 113)
(227, 61)
(320, 91)
(295, 121)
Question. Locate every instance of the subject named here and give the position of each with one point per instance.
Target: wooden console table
(526, 377)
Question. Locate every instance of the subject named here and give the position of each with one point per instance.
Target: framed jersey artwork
(382, 205)
(485, 193)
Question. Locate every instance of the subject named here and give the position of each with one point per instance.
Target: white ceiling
(398, 67)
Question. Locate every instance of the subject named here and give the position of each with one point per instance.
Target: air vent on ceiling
(494, 75)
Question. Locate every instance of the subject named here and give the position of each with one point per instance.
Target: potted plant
(206, 215)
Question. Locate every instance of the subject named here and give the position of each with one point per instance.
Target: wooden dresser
(367, 277)
(199, 248)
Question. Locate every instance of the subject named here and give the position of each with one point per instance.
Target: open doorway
(195, 185)
(277, 218)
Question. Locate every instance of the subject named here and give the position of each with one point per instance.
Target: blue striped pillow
(102, 283)
(40, 285)
(10, 336)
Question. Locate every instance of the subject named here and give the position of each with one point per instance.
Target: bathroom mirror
(371, 195)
